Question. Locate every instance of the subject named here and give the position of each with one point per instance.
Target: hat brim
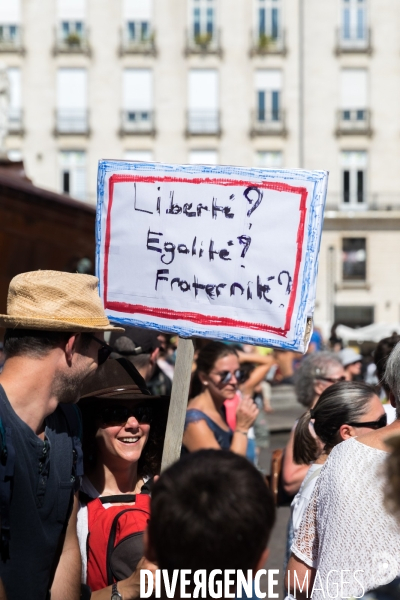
(52, 325)
(130, 396)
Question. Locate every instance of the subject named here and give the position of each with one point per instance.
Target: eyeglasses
(226, 376)
(104, 351)
(332, 379)
(381, 422)
(117, 415)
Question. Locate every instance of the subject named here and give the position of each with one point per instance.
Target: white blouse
(302, 498)
(346, 529)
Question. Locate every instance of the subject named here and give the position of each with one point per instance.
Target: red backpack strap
(143, 502)
(96, 555)
(95, 508)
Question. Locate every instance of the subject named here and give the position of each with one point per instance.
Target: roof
(20, 184)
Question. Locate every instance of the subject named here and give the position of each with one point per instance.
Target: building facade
(268, 83)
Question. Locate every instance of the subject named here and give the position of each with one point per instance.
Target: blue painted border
(314, 233)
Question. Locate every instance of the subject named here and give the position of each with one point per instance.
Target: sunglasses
(381, 422)
(226, 376)
(119, 415)
(104, 351)
(332, 379)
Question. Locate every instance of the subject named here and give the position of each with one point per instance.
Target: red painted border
(197, 317)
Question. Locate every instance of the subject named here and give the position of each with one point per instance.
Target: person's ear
(318, 387)
(262, 560)
(203, 378)
(392, 400)
(70, 347)
(148, 550)
(346, 432)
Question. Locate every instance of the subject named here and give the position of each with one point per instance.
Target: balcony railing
(262, 44)
(15, 121)
(363, 201)
(136, 39)
(203, 122)
(353, 40)
(265, 122)
(203, 43)
(11, 38)
(353, 122)
(73, 42)
(72, 121)
(137, 122)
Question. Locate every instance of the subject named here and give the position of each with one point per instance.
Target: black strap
(124, 498)
(117, 498)
(85, 498)
(74, 421)
(147, 487)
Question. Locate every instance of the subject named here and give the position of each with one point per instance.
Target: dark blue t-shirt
(42, 495)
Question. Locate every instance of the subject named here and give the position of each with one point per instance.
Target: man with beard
(54, 341)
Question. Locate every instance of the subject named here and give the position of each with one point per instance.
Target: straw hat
(55, 301)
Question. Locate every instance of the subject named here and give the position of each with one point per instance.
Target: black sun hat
(118, 379)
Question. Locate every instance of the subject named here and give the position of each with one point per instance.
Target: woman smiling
(123, 428)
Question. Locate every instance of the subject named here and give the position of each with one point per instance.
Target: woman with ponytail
(344, 410)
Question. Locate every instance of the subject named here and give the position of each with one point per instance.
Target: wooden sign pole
(178, 403)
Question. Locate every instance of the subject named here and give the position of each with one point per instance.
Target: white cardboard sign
(210, 251)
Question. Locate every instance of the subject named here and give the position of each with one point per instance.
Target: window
(144, 155)
(137, 100)
(354, 22)
(354, 316)
(203, 19)
(203, 115)
(73, 174)
(14, 155)
(14, 109)
(269, 159)
(71, 19)
(10, 18)
(269, 19)
(354, 259)
(354, 165)
(72, 114)
(137, 16)
(268, 90)
(353, 101)
(203, 157)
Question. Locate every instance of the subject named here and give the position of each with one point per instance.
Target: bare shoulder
(197, 402)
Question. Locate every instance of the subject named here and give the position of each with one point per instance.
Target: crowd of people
(83, 507)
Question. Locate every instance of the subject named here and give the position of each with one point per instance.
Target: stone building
(271, 83)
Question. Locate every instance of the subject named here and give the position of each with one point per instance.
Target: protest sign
(210, 251)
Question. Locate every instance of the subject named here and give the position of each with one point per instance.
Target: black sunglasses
(104, 351)
(117, 415)
(381, 422)
(332, 379)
